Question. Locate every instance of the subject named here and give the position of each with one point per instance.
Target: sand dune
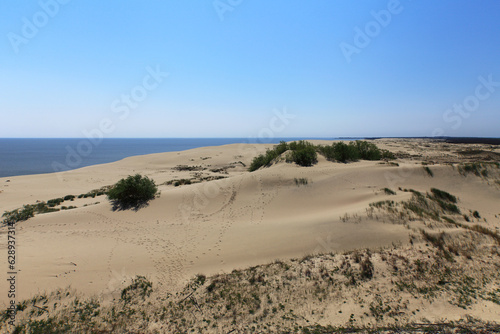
(242, 220)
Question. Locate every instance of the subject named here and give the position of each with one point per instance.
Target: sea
(26, 156)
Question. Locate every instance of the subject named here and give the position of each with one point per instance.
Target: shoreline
(451, 140)
(241, 220)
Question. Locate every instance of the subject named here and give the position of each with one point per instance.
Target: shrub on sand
(132, 192)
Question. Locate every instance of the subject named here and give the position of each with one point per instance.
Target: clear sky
(241, 68)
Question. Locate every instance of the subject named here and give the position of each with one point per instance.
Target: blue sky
(333, 68)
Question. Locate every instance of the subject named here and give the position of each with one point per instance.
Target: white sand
(246, 219)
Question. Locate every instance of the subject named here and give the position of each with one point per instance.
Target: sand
(242, 220)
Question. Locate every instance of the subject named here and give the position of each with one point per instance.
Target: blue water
(38, 156)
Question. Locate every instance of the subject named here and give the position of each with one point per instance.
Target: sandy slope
(242, 220)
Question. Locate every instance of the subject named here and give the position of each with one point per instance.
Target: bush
(132, 192)
(389, 191)
(265, 159)
(305, 156)
(181, 182)
(344, 153)
(303, 153)
(388, 155)
(366, 150)
(447, 207)
(54, 202)
(19, 215)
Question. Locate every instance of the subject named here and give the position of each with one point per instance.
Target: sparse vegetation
(301, 182)
(54, 202)
(428, 171)
(443, 195)
(485, 231)
(388, 191)
(446, 262)
(18, 215)
(180, 182)
(367, 268)
(304, 153)
(272, 297)
(139, 288)
(476, 168)
(182, 168)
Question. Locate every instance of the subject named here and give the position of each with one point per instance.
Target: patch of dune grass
(428, 171)
(301, 182)
(443, 195)
(485, 231)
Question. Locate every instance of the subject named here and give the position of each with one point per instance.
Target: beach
(231, 219)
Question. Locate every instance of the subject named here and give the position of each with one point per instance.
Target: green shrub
(387, 155)
(344, 153)
(257, 162)
(447, 207)
(366, 150)
(19, 215)
(281, 148)
(265, 159)
(428, 171)
(132, 192)
(181, 182)
(389, 191)
(43, 208)
(354, 151)
(54, 202)
(303, 153)
(305, 156)
(69, 197)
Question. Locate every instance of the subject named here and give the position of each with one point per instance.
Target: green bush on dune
(132, 192)
(304, 153)
(354, 151)
(270, 155)
(18, 215)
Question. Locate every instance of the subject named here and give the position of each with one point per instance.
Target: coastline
(228, 218)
